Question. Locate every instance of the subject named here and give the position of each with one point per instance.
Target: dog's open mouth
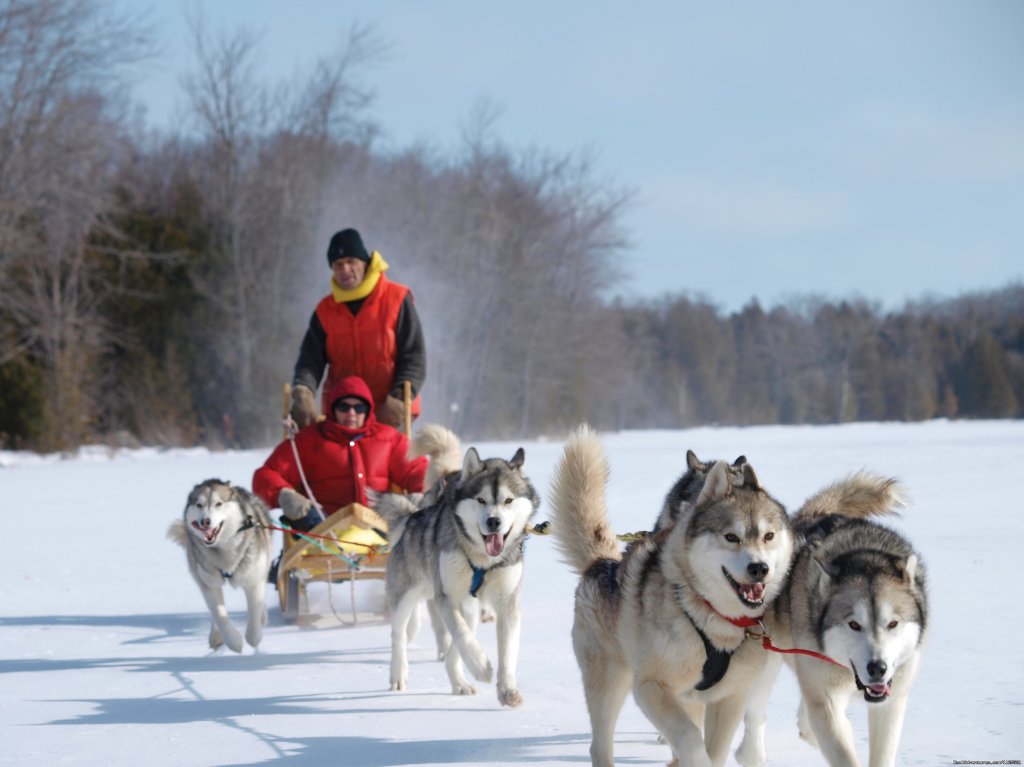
(873, 693)
(750, 594)
(209, 533)
(494, 544)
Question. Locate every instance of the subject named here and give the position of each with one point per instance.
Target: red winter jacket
(340, 463)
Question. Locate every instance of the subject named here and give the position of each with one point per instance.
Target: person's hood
(351, 386)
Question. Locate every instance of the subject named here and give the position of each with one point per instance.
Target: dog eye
(481, 501)
(893, 624)
(732, 538)
(769, 537)
(854, 625)
(508, 501)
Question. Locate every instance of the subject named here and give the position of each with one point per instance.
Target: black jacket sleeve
(411, 349)
(309, 368)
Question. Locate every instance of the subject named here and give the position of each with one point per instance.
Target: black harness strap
(715, 666)
(717, 662)
(248, 524)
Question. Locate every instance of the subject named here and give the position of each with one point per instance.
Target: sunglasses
(359, 407)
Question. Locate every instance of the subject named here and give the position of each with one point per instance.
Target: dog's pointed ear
(717, 486)
(471, 464)
(750, 476)
(909, 570)
(741, 461)
(693, 463)
(827, 576)
(518, 459)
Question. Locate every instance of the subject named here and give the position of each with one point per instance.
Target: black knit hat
(347, 244)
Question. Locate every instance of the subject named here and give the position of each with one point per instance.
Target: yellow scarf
(374, 270)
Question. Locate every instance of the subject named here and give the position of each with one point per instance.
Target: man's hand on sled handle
(392, 412)
(303, 406)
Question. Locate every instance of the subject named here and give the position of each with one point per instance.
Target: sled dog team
(686, 618)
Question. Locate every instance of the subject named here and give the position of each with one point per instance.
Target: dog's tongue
(879, 690)
(753, 592)
(494, 543)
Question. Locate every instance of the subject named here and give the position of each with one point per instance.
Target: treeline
(155, 287)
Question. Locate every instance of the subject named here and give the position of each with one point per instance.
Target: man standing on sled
(367, 326)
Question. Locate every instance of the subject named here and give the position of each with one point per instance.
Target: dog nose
(757, 570)
(493, 524)
(877, 669)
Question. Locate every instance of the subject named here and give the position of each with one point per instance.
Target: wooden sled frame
(314, 564)
(303, 561)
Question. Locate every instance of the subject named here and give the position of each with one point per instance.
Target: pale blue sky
(871, 149)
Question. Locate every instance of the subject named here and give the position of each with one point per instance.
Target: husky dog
(686, 489)
(668, 618)
(463, 548)
(857, 595)
(225, 531)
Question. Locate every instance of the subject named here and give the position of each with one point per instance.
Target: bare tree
(265, 162)
(60, 61)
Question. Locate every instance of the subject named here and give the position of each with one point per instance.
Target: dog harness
(717, 661)
(480, 572)
(716, 664)
(248, 524)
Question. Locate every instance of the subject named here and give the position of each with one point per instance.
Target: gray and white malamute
(225, 531)
(669, 617)
(857, 595)
(464, 548)
(684, 492)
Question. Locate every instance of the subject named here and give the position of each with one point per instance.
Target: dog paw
(462, 688)
(509, 696)
(750, 753)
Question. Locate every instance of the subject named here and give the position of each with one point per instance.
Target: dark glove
(303, 407)
(294, 505)
(392, 412)
(299, 510)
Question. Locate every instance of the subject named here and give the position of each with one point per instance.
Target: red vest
(363, 344)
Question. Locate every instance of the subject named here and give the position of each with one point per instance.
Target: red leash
(766, 643)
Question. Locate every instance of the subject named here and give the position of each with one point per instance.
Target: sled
(348, 546)
(344, 547)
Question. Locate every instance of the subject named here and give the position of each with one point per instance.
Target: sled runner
(347, 546)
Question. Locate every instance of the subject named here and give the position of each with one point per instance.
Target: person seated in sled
(340, 457)
(367, 326)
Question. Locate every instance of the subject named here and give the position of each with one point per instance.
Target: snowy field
(103, 650)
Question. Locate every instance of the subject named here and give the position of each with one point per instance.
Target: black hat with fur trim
(347, 244)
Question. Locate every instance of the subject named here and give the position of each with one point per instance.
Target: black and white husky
(225, 531)
(857, 595)
(668, 619)
(464, 547)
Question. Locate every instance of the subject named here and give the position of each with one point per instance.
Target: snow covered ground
(103, 655)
